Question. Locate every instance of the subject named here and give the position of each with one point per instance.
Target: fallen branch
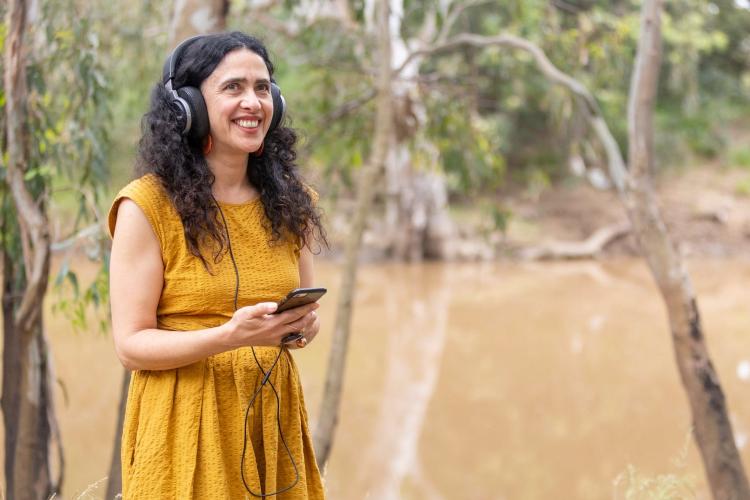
(569, 250)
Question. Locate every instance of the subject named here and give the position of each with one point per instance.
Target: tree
(328, 419)
(27, 398)
(48, 139)
(713, 430)
(194, 17)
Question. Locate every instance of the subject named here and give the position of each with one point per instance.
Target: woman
(215, 230)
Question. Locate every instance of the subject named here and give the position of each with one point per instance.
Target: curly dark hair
(180, 165)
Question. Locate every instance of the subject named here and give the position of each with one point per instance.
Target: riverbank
(706, 210)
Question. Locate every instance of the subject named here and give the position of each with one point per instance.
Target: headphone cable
(266, 380)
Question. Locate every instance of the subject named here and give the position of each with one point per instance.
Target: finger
(305, 322)
(258, 310)
(294, 314)
(312, 330)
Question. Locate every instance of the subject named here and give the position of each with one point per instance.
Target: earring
(208, 145)
(259, 151)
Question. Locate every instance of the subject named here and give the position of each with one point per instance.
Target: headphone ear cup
(279, 107)
(199, 126)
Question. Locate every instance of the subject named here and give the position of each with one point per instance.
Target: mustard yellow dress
(183, 431)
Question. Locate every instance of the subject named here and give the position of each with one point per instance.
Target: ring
(301, 342)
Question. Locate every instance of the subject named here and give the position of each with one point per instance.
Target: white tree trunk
(196, 17)
(417, 224)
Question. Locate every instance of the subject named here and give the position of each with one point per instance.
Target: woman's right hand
(257, 325)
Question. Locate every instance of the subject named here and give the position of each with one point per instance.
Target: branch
(586, 249)
(349, 107)
(453, 16)
(616, 164)
(87, 232)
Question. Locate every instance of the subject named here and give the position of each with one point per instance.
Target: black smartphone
(295, 298)
(300, 297)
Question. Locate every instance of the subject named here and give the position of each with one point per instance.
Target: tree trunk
(713, 430)
(194, 17)
(369, 175)
(114, 484)
(417, 225)
(28, 464)
(26, 400)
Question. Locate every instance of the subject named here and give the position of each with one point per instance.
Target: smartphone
(295, 298)
(300, 297)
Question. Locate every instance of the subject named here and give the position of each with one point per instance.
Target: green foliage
(501, 217)
(596, 44)
(740, 157)
(489, 112)
(67, 127)
(680, 136)
(76, 304)
(469, 148)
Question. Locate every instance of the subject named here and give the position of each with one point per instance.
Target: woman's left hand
(309, 327)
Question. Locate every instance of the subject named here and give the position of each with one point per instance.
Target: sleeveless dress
(183, 430)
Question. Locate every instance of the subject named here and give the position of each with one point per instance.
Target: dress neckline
(225, 204)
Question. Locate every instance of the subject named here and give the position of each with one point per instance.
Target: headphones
(191, 106)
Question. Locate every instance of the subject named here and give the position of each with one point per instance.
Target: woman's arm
(136, 278)
(306, 268)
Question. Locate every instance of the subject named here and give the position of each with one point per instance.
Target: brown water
(480, 381)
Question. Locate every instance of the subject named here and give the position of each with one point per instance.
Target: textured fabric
(183, 430)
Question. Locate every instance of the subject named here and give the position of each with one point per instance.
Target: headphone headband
(171, 64)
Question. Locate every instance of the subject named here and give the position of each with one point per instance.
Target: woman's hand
(310, 329)
(257, 326)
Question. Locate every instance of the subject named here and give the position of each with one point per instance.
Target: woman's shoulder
(149, 194)
(147, 186)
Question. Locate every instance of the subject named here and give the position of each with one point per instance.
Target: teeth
(247, 123)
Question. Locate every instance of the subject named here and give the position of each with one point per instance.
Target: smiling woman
(216, 229)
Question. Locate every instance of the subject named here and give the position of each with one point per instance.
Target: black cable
(266, 380)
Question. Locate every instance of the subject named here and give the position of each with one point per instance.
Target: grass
(632, 484)
(740, 157)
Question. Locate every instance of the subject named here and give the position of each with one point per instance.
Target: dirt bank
(706, 209)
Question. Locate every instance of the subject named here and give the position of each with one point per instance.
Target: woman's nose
(251, 102)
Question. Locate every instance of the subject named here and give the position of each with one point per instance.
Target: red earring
(208, 145)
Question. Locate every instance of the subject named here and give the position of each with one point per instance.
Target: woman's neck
(231, 184)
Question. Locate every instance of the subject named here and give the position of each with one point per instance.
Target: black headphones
(191, 106)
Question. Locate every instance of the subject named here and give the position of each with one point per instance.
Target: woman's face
(239, 102)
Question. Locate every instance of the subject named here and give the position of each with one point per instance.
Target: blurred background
(507, 341)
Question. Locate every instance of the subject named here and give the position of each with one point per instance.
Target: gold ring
(301, 342)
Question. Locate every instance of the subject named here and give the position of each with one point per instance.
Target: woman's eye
(233, 86)
(264, 87)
